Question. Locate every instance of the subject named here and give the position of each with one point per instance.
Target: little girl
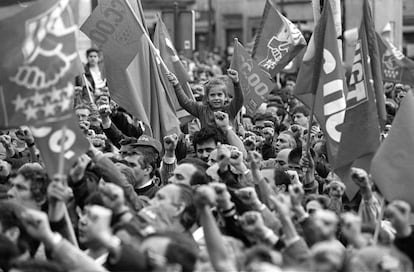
(215, 98)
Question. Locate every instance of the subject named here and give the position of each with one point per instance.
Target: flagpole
(85, 80)
(61, 167)
(154, 49)
(308, 136)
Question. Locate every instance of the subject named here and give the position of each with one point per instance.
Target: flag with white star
(38, 63)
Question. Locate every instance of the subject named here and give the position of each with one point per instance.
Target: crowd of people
(233, 192)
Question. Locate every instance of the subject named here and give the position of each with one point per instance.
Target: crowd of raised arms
(232, 192)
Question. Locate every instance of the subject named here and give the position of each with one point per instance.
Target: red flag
(277, 42)
(392, 167)
(49, 138)
(321, 80)
(135, 85)
(395, 66)
(254, 82)
(361, 130)
(374, 54)
(38, 63)
(163, 42)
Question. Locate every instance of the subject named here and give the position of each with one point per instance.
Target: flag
(38, 64)
(48, 139)
(254, 82)
(278, 41)
(392, 168)
(360, 136)
(375, 63)
(396, 67)
(163, 43)
(361, 130)
(134, 78)
(321, 80)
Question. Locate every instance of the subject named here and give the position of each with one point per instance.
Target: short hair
(150, 157)
(208, 133)
(219, 81)
(189, 215)
(199, 164)
(91, 50)
(267, 116)
(295, 155)
(281, 178)
(301, 109)
(292, 139)
(83, 106)
(39, 180)
(321, 199)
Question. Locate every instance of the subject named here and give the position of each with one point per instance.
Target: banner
(396, 67)
(374, 56)
(135, 83)
(167, 51)
(277, 42)
(38, 63)
(254, 82)
(50, 138)
(321, 80)
(392, 168)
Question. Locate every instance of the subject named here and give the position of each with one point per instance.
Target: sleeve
(111, 173)
(130, 259)
(114, 135)
(189, 105)
(120, 120)
(73, 259)
(296, 252)
(167, 168)
(237, 101)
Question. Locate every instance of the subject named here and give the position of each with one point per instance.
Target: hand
(360, 177)
(58, 193)
(205, 197)
(170, 143)
(233, 75)
(5, 140)
(5, 169)
(250, 143)
(222, 120)
(281, 204)
(104, 111)
(249, 197)
(100, 223)
(84, 125)
(78, 170)
(58, 190)
(25, 135)
(223, 156)
(223, 197)
(255, 160)
(37, 225)
(293, 175)
(236, 158)
(296, 193)
(252, 222)
(112, 196)
(173, 79)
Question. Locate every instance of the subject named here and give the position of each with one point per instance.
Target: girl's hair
(220, 81)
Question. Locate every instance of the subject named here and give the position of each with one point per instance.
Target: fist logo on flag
(39, 64)
(47, 41)
(391, 67)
